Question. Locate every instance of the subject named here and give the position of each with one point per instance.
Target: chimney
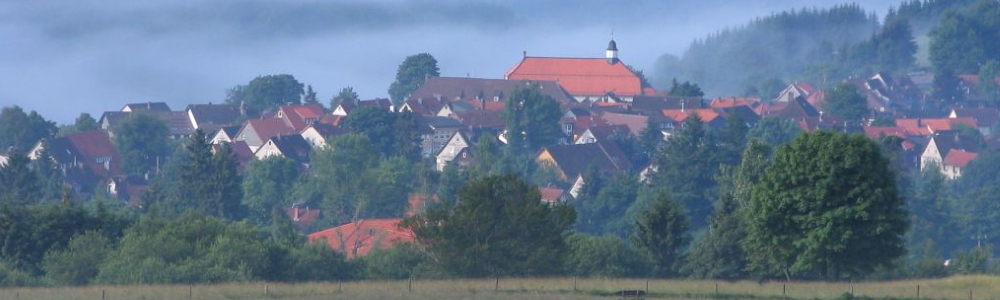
(295, 213)
(524, 54)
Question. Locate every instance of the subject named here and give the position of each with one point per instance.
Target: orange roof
(934, 125)
(359, 238)
(959, 158)
(732, 102)
(579, 76)
(678, 115)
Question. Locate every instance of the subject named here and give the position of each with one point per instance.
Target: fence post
(574, 284)
(102, 294)
(716, 288)
(970, 294)
(190, 292)
(782, 290)
(918, 291)
(647, 285)
(409, 284)
(267, 290)
(852, 290)
(497, 287)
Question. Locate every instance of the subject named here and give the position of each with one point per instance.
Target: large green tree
(605, 212)
(499, 227)
(828, 207)
(19, 131)
(966, 39)
(989, 90)
(844, 101)
(603, 256)
(346, 95)
(411, 75)
(268, 186)
(142, 141)
(532, 118)
(392, 134)
(662, 233)
(266, 92)
(205, 182)
(687, 167)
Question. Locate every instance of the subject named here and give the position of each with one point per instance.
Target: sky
(62, 58)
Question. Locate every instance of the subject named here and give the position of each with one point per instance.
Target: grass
(982, 287)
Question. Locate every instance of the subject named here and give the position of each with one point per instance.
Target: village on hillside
(601, 99)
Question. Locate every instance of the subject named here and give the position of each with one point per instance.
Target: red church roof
(361, 237)
(579, 76)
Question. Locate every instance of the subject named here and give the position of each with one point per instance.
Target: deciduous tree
(411, 75)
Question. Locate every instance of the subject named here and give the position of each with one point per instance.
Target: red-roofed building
(935, 125)
(733, 102)
(302, 217)
(359, 238)
(85, 158)
(956, 161)
(635, 123)
(256, 132)
(584, 78)
(552, 195)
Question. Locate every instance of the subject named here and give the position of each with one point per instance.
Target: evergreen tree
(19, 184)
(310, 96)
(661, 232)
(19, 131)
(687, 167)
(346, 95)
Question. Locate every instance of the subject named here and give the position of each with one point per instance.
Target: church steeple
(612, 53)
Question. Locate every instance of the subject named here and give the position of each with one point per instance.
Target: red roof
(551, 194)
(959, 158)
(96, 144)
(636, 123)
(579, 76)
(268, 128)
(359, 238)
(302, 217)
(678, 115)
(934, 125)
(732, 102)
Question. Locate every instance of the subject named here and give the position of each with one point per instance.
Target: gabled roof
(797, 109)
(959, 158)
(267, 128)
(359, 238)
(635, 123)
(950, 140)
(935, 125)
(733, 102)
(178, 123)
(707, 115)
(435, 122)
(982, 116)
(299, 116)
(574, 159)
(579, 76)
(606, 132)
(214, 115)
(148, 106)
(87, 148)
(292, 146)
(476, 119)
(241, 151)
(450, 89)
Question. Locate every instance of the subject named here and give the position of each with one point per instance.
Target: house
(943, 143)
(730, 102)
(456, 148)
(240, 151)
(635, 123)
(985, 118)
(345, 108)
(569, 161)
(212, 117)
(712, 118)
(956, 160)
(586, 79)
(931, 126)
(302, 217)
(795, 90)
(552, 195)
(148, 106)
(3, 160)
(360, 237)
(128, 189)
(438, 92)
(298, 117)
(85, 158)
(438, 132)
(256, 132)
(317, 134)
(225, 135)
(291, 146)
(178, 123)
(603, 134)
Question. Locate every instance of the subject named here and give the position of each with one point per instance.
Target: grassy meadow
(982, 287)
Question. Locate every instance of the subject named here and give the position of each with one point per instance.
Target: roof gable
(579, 76)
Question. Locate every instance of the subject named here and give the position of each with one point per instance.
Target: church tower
(612, 53)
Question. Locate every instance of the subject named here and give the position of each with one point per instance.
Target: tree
(661, 231)
(79, 263)
(978, 191)
(963, 40)
(828, 207)
(400, 261)
(84, 122)
(266, 92)
(532, 118)
(844, 101)
(346, 95)
(642, 77)
(19, 184)
(775, 131)
(947, 88)
(686, 89)
(605, 213)
(268, 186)
(390, 133)
(310, 96)
(206, 182)
(411, 75)
(19, 131)
(989, 90)
(895, 45)
(603, 256)
(142, 141)
(687, 167)
(499, 227)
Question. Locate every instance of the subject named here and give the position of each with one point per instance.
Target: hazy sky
(62, 58)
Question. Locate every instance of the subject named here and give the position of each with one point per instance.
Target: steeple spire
(612, 52)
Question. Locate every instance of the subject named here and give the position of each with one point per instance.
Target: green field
(982, 287)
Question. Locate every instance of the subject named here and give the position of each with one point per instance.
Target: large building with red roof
(587, 79)
(360, 237)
